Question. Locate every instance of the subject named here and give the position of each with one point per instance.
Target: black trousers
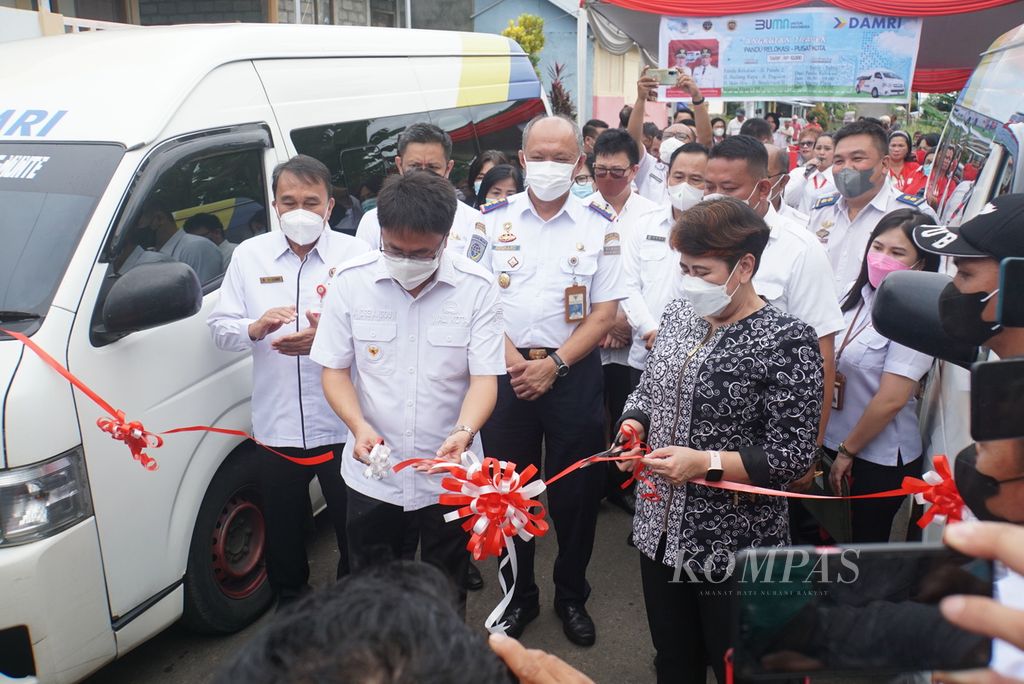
(618, 383)
(689, 623)
(568, 422)
(285, 490)
(871, 519)
(377, 533)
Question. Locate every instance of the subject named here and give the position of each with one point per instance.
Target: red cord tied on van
(135, 436)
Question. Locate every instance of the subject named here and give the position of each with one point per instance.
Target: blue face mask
(369, 203)
(477, 185)
(927, 168)
(583, 190)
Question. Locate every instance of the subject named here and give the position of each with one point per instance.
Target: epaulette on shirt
(912, 200)
(602, 209)
(827, 200)
(355, 262)
(494, 204)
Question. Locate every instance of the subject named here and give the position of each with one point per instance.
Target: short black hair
(308, 169)
(624, 115)
(418, 202)
(591, 128)
(688, 148)
(744, 147)
(202, 221)
(651, 130)
(425, 133)
(723, 228)
(757, 128)
(932, 139)
(496, 175)
(865, 127)
(390, 623)
(616, 140)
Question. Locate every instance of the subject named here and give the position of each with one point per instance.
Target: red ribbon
(136, 437)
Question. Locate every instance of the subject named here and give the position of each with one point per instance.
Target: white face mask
(668, 146)
(549, 180)
(719, 131)
(707, 299)
(684, 196)
(411, 273)
(301, 226)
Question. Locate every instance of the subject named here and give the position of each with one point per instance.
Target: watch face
(714, 475)
(563, 371)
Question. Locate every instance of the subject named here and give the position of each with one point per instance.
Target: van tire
(226, 586)
(874, 92)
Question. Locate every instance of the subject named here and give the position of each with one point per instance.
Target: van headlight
(40, 500)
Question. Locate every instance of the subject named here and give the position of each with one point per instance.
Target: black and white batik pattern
(755, 386)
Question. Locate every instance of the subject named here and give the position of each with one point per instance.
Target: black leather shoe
(474, 581)
(577, 624)
(517, 617)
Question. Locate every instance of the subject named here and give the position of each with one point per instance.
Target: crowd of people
(704, 285)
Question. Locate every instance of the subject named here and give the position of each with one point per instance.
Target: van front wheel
(874, 92)
(226, 585)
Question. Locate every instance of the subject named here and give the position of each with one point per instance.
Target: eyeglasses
(582, 180)
(417, 256)
(685, 137)
(806, 143)
(603, 171)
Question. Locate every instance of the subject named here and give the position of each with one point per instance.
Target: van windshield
(48, 192)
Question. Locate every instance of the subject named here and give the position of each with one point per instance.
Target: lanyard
(848, 338)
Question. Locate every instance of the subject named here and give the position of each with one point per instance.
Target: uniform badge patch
(480, 228)
(477, 245)
(912, 200)
(827, 201)
(374, 352)
(602, 209)
(496, 204)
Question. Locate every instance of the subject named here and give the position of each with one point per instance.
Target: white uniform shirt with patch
(466, 237)
(650, 179)
(288, 404)
(801, 191)
(794, 274)
(539, 259)
(846, 241)
(411, 361)
(629, 221)
(653, 277)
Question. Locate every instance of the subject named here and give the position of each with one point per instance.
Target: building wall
(199, 11)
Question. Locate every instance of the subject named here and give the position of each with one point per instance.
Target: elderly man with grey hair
(556, 259)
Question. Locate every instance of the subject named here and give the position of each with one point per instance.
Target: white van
(880, 83)
(979, 157)
(97, 554)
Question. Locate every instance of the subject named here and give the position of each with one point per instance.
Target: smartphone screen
(1010, 303)
(870, 609)
(996, 391)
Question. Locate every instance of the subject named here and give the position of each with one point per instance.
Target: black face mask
(960, 315)
(975, 487)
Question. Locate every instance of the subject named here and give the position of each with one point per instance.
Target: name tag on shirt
(656, 238)
(575, 303)
(268, 280)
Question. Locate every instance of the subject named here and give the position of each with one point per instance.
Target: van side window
(361, 153)
(197, 212)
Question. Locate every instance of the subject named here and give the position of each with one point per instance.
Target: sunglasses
(604, 171)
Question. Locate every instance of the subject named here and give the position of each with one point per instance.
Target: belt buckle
(538, 354)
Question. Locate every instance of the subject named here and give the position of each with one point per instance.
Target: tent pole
(581, 64)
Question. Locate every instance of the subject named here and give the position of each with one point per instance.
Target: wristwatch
(464, 428)
(715, 471)
(561, 369)
(844, 451)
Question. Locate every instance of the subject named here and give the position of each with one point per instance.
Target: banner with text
(817, 53)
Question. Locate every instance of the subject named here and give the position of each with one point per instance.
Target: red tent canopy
(955, 32)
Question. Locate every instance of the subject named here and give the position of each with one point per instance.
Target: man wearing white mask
(411, 343)
(269, 303)
(650, 265)
(557, 263)
(425, 147)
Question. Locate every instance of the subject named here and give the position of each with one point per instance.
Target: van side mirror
(906, 310)
(150, 295)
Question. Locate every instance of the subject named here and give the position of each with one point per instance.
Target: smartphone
(871, 609)
(665, 77)
(996, 391)
(1010, 300)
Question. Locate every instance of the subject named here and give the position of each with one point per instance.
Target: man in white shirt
(156, 229)
(706, 75)
(271, 291)
(844, 220)
(557, 262)
(425, 147)
(778, 163)
(209, 226)
(794, 269)
(733, 128)
(411, 343)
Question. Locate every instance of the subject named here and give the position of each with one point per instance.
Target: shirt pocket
(376, 347)
(579, 267)
(449, 352)
(869, 351)
(506, 260)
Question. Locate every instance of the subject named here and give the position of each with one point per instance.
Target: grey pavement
(623, 653)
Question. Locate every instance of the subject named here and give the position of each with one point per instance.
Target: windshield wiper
(11, 316)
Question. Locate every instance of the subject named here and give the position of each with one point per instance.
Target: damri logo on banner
(802, 53)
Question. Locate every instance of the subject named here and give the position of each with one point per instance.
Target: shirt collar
(172, 242)
(445, 271)
(572, 206)
(774, 220)
(284, 247)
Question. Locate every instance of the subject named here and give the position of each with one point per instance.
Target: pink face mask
(880, 265)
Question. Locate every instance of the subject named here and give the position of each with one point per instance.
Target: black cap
(997, 232)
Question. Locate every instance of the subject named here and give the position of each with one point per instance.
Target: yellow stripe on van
(484, 79)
